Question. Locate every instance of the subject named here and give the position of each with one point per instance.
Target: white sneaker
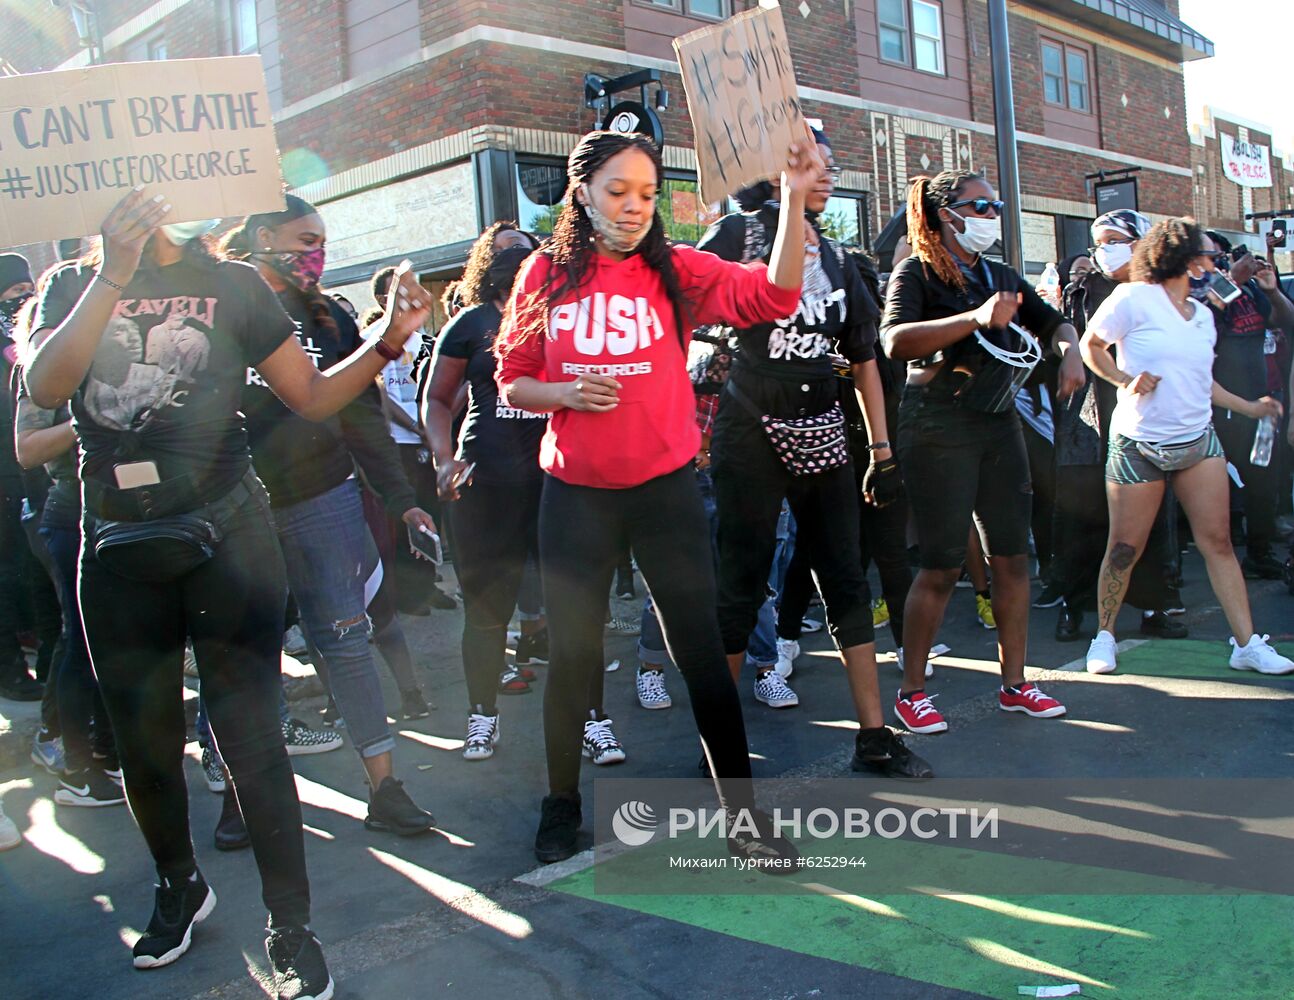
(771, 688)
(651, 689)
(1257, 655)
(9, 835)
(600, 743)
(787, 652)
(930, 666)
(1102, 654)
(482, 734)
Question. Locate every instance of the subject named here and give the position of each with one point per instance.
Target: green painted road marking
(1200, 944)
(1187, 658)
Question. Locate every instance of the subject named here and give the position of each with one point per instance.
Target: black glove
(882, 484)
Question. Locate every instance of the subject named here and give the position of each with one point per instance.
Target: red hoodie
(620, 323)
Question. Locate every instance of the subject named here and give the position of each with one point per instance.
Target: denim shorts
(1125, 465)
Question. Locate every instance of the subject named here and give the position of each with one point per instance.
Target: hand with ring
(594, 393)
(408, 305)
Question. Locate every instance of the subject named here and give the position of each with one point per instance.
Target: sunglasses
(981, 205)
(1220, 258)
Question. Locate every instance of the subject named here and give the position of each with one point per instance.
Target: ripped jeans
(325, 545)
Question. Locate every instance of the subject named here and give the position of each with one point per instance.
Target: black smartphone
(425, 544)
(1280, 227)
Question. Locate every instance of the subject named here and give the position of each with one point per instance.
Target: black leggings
(582, 532)
(232, 606)
(496, 528)
(1261, 496)
(750, 482)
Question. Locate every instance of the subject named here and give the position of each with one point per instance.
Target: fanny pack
(1172, 457)
(166, 548)
(807, 446)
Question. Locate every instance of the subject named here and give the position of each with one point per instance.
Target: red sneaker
(918, 714)
(1028, 698)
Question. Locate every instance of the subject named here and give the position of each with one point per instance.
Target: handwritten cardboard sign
(741, 94)
(74, 142)
(1245, 163)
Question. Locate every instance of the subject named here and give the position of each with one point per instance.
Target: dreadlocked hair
(474, 286)
(240, 244)
(926, 195)
(571, 247)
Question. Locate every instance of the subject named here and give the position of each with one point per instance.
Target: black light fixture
(627, 116)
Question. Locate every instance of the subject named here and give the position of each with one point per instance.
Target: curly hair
(473, 285)
(1167, 250)
(571, 246)
(926, 196)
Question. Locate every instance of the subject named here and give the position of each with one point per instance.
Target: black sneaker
(176, 908)
(1069, 625)
(762, 847)
(331, 715)
(231, 831)
(297, 961)
(88, 787)
(1159, 625)
(392, 811)
(19, 685)
(441, 601)
(559, 824)
(883, 752)
(413, 705)
(532, 648)
(1262, 567)
(109, 763)
(1288, 571)
(1050, 597)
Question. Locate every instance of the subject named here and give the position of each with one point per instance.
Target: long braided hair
(926, 195)
(240, 244)
(571, 246)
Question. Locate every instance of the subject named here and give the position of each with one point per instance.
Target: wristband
(878, 446)
(98, 276)
(387, 351)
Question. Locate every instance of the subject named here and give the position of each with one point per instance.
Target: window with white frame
(244, 38)
(911, 32)
(714, 10)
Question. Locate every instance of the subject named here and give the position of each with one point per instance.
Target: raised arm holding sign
(742, 98)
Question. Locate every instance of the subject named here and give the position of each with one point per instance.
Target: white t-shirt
(401, 387)
(1153, 337)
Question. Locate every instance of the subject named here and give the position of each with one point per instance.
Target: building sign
(431, 210)
(1111, 195)
(742, 98)
(73, 143)
(1245, 163)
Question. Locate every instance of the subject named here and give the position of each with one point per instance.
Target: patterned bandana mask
(302, 269)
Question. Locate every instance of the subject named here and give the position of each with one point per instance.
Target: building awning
(1147, 24)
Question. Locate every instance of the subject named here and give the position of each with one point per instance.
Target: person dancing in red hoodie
(596, 333)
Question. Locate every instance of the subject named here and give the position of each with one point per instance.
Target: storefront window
(686, 216)
(842, 220)
(541, 188)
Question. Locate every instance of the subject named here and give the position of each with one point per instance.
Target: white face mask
(615, 237)
(181, 233)
(980, 233)
(1110, 257)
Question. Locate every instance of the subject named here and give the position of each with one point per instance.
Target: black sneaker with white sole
(88, 787)
(176, 908)
(882, 751)
(752, 836)
(390, 810)
(297, 961)
(560, 817)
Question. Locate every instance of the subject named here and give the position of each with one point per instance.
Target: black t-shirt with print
(785, 367)
(501, 440)
(166, 383)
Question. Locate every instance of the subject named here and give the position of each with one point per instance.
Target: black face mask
(503, 270)
(9, 307)
(1200, 288)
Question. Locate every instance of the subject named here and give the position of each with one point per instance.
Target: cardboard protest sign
(742, 98)
(74, 142)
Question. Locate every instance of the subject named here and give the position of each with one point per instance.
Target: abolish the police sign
(74, 142)
(1245, 163)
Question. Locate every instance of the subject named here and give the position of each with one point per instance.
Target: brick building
(412, 123)
(1221, 201)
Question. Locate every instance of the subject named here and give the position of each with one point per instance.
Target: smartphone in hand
(425, 544)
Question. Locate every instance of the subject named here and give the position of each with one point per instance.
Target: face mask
(302, 269)
(615, 237)
(1199, 287)
(181, 233)
(9, 307)
(980, 233)
(503, 270)
(1112, 256)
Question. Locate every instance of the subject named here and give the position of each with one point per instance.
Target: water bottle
(1049, 284)
(1261, 455)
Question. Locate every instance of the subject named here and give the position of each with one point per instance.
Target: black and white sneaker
(482, 734)
(297, 961)
(1051, 597)
(301, 739)
(600, 744)
(213, 771)
(176, 908)
(88, 787)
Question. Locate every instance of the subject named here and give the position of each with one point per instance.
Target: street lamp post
(1008, 164)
